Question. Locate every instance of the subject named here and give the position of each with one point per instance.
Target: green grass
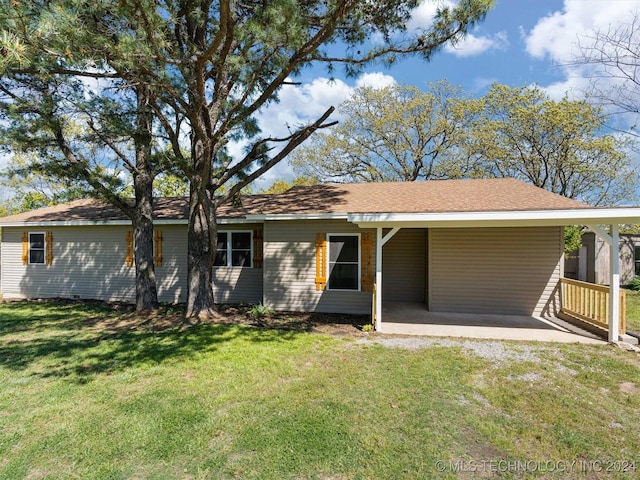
(633, 310)
(88, 392)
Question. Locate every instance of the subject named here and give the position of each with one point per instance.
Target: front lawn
(633, 310)
(88, 392)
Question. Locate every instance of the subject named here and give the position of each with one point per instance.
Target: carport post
(378, 305)
(614, 285)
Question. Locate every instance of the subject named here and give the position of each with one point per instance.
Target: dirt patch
(629, 387)
(116, 316)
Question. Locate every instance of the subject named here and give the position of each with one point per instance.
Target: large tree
(395, 133)
(558, 145)
(65, 102)
(209, 67)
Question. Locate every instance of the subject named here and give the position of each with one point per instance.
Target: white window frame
(635, 261)
(229, 234)
(359, 262)
(44, 248)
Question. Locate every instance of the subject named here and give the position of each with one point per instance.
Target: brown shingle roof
(485, 195)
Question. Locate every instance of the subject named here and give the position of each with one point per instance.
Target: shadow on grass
(80, 341)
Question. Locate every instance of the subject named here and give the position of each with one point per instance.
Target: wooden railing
(590, 303)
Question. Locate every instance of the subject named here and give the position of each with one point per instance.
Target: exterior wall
(290, 269)
(89, 262)
(236, 284)
(404, 266)
(510, 271)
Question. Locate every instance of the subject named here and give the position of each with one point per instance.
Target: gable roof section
(357, 202)
(498, 194)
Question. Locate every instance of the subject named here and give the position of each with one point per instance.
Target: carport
(502, 223)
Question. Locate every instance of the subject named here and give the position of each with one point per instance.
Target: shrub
(634, 284)
(260, 311)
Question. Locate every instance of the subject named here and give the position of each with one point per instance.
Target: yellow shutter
(157, 248)
(25, 248)
(321, 261)
(129, 253)
(366, 262)
(257, 249)
(49, 248)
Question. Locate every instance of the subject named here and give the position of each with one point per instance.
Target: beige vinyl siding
(237, 284)
(87, 263)
(494, 270)
(289, 269)
(171, 276)
(404, 266)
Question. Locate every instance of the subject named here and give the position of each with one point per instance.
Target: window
(36, 248)
(636, 259)
(344, 262)
(234, 249)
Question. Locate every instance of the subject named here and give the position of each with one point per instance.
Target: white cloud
(302, 104)
(560, 36)
(475, 45)
(422, 17)
(555, 36)
(375, 80)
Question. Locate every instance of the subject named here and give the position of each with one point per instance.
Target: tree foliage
(63, 103)
(556, 145)
(281, 186)
(27, 188)
(205, 69)
(401, 133)
(395, 133)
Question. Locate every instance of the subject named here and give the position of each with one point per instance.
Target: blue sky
(521, 42)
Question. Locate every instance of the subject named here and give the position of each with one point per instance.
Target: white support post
(378, 305)
(614, 286)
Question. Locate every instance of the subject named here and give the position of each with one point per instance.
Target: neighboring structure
(591, 262)
(480, 246)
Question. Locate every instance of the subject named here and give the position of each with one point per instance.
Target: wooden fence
(590, 303)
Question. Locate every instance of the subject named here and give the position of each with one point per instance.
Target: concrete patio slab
(414, 319)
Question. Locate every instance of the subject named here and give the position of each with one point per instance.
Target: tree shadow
(80, 341)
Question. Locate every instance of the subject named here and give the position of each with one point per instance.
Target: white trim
(579, 216)
(601, 233)
(44, 248)
(328, 266)
(614, 285)
(296, 216)
(229, 250)
(379, 279)
(499, 218)
(389, 235)
(83, 223)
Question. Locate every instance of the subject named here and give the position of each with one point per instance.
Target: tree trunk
(201, 236)
(201, 250)
(146, 289)
(142, 218)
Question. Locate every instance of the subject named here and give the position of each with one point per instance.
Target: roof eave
(88, 223)
(586, 216)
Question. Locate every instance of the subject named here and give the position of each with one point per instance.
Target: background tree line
(108, 94)
(400, 133)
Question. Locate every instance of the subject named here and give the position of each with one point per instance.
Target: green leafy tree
(556, 145)
(204, 69)
(66, 99)
(29, 189)
(395, 133)
(281, 186)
